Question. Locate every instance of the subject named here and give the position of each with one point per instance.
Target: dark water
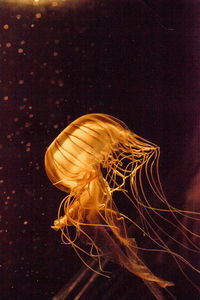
(134, 60)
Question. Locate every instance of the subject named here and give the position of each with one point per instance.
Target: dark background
(138, 61)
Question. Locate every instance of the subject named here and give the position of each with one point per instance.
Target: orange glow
(92, 160)
(38, 2)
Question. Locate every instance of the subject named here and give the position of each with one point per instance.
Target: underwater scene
(99, 149)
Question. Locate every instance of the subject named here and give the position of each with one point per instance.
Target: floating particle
(21, 81)
(55, 126)
(55, 53)
(18, 16)
(25, 222)
(38, 15)
(28, 124)
(5, 98)
(60, 83)
(20, 50)
(9, 136)
(8, 45)
(6, 26)
(37, 167)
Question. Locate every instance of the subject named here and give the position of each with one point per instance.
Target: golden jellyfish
(92, 159)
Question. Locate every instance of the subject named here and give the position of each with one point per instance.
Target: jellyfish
(92, 160)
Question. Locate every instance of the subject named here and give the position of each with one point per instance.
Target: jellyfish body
(91, 159)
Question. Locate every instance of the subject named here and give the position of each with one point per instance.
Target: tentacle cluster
(95, 157)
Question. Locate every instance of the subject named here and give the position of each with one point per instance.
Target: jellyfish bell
(81, 147)
(91, 159)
